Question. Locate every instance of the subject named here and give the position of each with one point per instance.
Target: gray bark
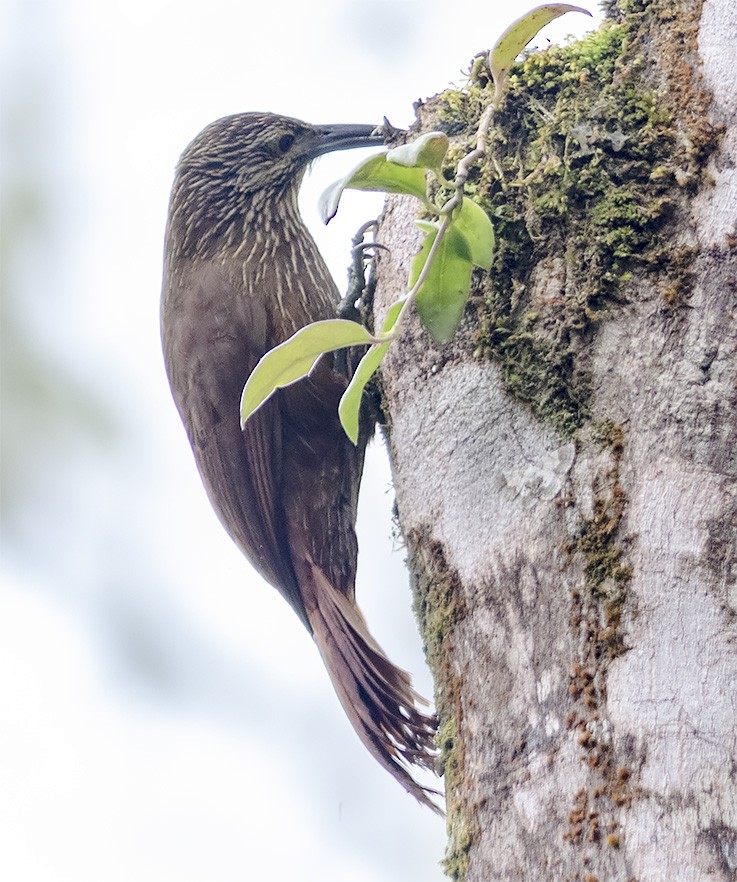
(578, 590)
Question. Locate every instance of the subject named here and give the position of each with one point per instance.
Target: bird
(242, 274)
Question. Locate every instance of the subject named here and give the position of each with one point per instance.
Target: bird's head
(242, 165)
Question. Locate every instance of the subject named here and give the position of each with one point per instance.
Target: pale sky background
(163, 714)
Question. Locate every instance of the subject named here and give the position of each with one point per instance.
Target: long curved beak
(343, 136)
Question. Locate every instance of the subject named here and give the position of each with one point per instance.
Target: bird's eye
(285, 142)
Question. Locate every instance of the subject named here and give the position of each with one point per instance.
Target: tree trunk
(565, 469)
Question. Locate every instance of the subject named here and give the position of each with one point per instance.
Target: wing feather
(213, 338)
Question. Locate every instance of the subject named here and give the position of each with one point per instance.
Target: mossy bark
(565, 469)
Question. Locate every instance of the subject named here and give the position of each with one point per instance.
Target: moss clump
(596, 542)
(597, 539)
(536, 371)
(455, 863)
(460, 837)
(437, 599)
(608, 434)
(448, 752)
(587, 164)
(439, 607)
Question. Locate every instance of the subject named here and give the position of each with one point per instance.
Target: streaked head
(245, 160)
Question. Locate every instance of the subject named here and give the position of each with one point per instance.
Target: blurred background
(163, 714)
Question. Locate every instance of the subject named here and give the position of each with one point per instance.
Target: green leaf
(295, 358)
(349, 408)
(374, 173)
(473, 223)
(519, 34)
(392, 314)
(442, 297)
(427, 151)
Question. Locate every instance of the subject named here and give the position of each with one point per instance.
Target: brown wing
(321, 476)
(213, 337)
(286, 490)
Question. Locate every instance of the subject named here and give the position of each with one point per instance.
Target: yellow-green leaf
(392, 314)
(374, 173)
(519, 34)
(295, 358)
(349, 409)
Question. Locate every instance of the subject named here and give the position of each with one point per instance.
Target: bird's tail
(376, 695)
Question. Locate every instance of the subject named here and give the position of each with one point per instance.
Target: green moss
(455, 863)
(606, 575)
(447, 744)
(596, 537)
(587, 163)
(537, 372)
(439, 608)
(437, 600)
(608, 434)
(598, 540)
(460, 838)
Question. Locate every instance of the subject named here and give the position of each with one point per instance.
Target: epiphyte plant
(459, 238)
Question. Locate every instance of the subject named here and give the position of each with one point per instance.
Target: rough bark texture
(566, 469)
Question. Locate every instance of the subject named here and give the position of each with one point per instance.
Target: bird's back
(215, 329)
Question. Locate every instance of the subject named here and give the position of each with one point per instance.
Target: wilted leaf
(442, 297)
(295, 358)
(519, 34)
(374, 173)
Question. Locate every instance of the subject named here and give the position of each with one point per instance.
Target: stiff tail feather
(376, 695)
